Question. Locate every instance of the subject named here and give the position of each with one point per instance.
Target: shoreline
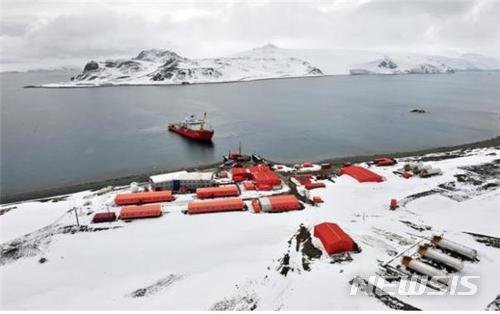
(242, 80)
(142, 177)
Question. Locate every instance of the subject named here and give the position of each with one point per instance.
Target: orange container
(279, 203)
(218, 191)
(146, 211)
(212, 206)
(143, 197)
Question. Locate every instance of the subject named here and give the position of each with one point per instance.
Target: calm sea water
(53, 137)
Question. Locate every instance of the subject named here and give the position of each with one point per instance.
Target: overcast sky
(70, 32)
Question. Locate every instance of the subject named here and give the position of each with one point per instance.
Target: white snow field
(164, 67)
(235, 260)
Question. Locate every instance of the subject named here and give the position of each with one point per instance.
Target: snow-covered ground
(164, 67)
(236, 260)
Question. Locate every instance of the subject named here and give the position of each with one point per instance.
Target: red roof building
(104, 217)
(264, 177)
(240, 174)
(333, 238)
(361, 174)
(218, 191)
(146, 211)
(212, 206)
(143, 197)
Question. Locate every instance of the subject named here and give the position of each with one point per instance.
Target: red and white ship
(193, 128)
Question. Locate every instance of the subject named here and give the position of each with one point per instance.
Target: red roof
(240, 174)
(263, 175)
(218, 205)
(143, 197)
(104, 217)
(249, 185)
(317, 199)
(361, 174)
(334, 239)
(218, 191)
(146, 211)
(385, 161)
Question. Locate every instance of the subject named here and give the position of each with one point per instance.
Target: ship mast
(203, 121)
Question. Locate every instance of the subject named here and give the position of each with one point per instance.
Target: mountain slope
(422, 64)
(164, 67)
(156, 67)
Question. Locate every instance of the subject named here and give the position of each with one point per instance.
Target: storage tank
(455, 247)
(422, 268)
(134, 187)
(440, 257)
(212, 206)
(429, 171)
(279, 203)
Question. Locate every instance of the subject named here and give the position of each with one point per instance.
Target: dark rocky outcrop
(387, 63)
(418, 111)
(315, 71)
(91, 66)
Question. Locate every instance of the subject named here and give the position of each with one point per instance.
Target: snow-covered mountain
(164, 67)
(157, 67)
(422, 64)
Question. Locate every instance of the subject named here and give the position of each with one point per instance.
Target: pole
(76, 216)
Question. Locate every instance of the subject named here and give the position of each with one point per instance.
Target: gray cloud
(34, 31)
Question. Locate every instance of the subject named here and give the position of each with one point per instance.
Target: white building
(175, 180)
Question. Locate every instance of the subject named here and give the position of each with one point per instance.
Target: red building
(276, 203)
(143, 197)
(265, 178)
(334, 239)
(146, 211)
(241, 174)
(218, 191)
(213, 206)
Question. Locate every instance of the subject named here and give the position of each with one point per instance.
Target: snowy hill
(421, 64)
(245, 260)
(161, 67)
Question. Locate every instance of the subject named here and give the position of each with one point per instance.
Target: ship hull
(198, 135)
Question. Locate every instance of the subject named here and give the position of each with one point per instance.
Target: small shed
(317, 199)
(333, 238)
(104, 217)
(384, 161)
